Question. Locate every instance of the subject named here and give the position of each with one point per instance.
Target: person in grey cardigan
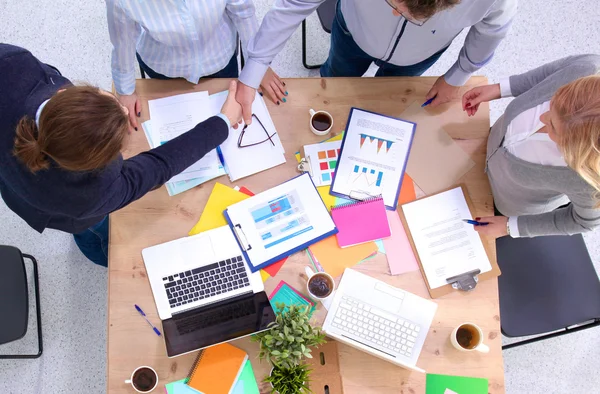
(543, 153)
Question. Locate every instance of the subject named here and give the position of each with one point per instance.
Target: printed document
(374, 154)
(175, 115)
(446, 245)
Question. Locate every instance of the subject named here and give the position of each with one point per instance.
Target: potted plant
(285, 344)
(292, 380)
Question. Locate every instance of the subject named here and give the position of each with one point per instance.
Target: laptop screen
(220, 322)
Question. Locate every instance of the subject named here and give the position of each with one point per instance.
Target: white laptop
(204, 291)
(379, 319)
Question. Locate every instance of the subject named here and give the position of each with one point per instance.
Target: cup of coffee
(321, 122)
(320, 285)
(468, 337)
(143, 379)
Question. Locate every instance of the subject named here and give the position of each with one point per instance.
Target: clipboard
(467, 278)
(242, 239)
(359, 195)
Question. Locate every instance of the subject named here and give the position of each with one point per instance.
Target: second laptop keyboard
(203, 282)
(376, 327)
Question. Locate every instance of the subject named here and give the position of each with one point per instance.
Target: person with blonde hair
(543, 153)
(60, 149)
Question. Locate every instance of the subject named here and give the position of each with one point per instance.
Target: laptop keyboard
(216, 316)
(207, 281)
(376, 327)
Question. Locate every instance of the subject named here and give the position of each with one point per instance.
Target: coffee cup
(468, 337)
(320, 285)
(143, 379)
(321, 122)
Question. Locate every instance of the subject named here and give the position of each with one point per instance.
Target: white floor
(72, 35)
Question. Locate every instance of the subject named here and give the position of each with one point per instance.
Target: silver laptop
(379, 319)
(204, 291)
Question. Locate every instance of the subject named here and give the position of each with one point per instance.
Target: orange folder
(334, 259)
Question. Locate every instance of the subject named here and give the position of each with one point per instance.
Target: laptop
(204, 291)
(379, 319)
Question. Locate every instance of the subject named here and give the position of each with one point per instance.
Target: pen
(475, 222)
(220, 154)
(426, 103)
(145, 318)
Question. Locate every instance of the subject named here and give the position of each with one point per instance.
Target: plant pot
(271, 373)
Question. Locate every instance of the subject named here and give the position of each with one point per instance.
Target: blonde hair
(577, 105)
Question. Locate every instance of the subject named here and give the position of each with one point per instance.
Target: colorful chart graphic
(366, 177)
(380, 142)
(327, 163)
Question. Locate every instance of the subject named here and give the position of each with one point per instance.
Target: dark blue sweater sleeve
(144, 172)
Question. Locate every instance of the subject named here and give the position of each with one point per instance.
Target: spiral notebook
(361, 222)
(217, 369)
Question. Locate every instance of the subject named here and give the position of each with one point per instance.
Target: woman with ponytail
(543, 154)
(60, 151)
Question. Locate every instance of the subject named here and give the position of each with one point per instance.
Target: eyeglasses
(241, 137)
(415, 22)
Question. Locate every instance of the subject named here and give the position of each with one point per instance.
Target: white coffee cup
(469, 339)
(326, 300)
(314, 113)
(130, 380)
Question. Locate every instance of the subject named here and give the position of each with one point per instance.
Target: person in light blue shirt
(189, 39)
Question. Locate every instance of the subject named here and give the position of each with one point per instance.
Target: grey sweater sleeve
(577, 217)
(580, 65)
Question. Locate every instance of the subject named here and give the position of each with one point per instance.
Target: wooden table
(158, 218)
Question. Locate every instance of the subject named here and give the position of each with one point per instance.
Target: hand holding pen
(491, 226)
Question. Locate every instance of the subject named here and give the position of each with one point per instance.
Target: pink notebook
(361, 222)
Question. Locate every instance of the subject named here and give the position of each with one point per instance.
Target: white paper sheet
(446, 245)
(175, 115)
(243, 162)
(280, 219)
(373, 158)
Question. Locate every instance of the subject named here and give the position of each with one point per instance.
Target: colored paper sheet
(327, 198)
(407, 191)
(380, 246)
(287, 295)
(212, 216)
(334, 259)
(442, 384)
(400, 255)
(264, 275)
(179, 387)
(246, 383)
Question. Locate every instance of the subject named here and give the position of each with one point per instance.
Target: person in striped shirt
(189, 39)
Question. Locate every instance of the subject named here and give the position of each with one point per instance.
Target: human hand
(273, 87)
(495, 228)
(478, 95)
(231, 108)
(442, 91)
(245, 97)
(131, 102)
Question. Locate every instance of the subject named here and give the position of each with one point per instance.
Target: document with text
(446, 245)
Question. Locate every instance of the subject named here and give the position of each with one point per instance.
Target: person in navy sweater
(60, 150)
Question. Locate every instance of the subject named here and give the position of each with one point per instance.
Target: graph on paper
(373, 157)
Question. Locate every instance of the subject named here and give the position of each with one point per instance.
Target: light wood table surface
(158, 218)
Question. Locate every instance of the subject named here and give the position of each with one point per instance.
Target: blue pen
(148, 321)
(220, 154)
(426, 103)
(475, 222)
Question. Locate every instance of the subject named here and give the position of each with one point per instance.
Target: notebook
(361, 222)
(286, 294)
(446, 384)
(217, 369)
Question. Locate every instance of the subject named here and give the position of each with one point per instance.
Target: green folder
(446, 384)
(247, 380)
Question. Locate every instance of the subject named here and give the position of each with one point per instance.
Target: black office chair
(14, 299)
(143, 73)
(326, 13)
(548, 284)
